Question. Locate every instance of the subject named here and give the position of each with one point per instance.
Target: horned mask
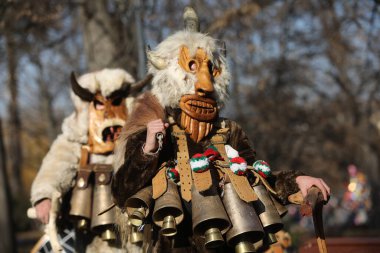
(106, 113)
(190, 73)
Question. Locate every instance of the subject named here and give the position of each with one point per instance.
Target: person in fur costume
(102, 101)
(175, 136)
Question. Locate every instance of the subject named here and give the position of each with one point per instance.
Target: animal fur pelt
(59, 166)
(285, 183)
(146, 109)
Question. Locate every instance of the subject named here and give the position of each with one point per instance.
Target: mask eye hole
(98, 105)
(117, 101)
(210, 67)
(213, 68)
(193, 66)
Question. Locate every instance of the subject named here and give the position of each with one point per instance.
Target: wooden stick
(51, 227)
(313, 205)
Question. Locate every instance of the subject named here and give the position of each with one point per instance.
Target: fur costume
(135, 169)
(59, 167)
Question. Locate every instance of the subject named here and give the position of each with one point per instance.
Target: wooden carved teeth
(191, 126)
(208, 128)
(187, 120)
(194, 103)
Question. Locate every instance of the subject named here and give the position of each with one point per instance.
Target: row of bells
(87, 210)
(243, 224)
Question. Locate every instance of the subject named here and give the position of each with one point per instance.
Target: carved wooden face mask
(106, 119)
(199, 110)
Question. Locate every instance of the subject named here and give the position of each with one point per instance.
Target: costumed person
(77, 169)
(190, 174)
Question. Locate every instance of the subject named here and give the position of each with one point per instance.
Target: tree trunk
(106, 42)
(140, 40)
(7, 242)
(15, 149)
(48, 110)
(46, 100)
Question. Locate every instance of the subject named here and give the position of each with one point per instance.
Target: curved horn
(78, 90)
(156, 61)
(138, 86)
(190, 19)
(223, 50)
(122, 92)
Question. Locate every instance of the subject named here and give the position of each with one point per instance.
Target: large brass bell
(281, 209)
(138, 206)
(103, 217)
(210, 220)
(168, 212)
(267, 211)
(246, 226)
(81, 200)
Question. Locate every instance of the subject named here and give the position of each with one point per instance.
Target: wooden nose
(204, 85)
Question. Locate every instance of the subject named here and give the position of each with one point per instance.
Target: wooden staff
(51, 228)
(313, 205)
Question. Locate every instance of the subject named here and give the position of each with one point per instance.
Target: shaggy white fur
(106, 81)
(170, 83)
(57, 170)
(59, 165)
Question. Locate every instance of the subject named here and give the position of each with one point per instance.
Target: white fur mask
(171, 82)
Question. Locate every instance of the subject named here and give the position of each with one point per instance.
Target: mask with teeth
(106, 119)
(199, 110)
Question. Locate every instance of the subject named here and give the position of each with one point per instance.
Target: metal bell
(259, 244)
(246, 226)
(101, 219)
(210, 220)
(108, 235)
(245, 247)
(269, 239)
(267, 211)
(168, 210)
(83, 224)
(281, 209)
(135, 236)
(138, 206)
(81, 200)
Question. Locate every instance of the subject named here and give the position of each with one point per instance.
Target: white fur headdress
(105, 81)
(170, 81)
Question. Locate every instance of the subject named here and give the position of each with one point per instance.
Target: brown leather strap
(83, 176)
(103, 173)
(202, 181)
(240, 183)
(84, 169)
(159, 183)
(84, 156)
(183, 163)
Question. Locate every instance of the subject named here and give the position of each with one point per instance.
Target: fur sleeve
(133, 168)
(285, 183)
(57, 170)
(136, 171)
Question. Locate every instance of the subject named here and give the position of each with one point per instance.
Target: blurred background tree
(305, 76)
